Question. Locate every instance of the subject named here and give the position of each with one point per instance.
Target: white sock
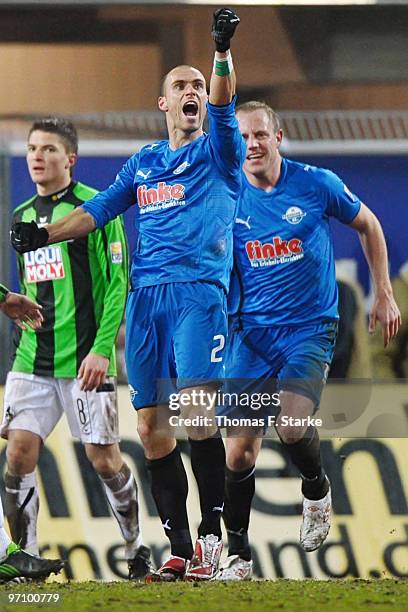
(22, 504)
(121, 491)
(4, 538)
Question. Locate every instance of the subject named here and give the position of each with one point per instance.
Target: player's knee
(21, 457)
(201, 433)
(104, 466)
(290, 434)
(241, 458)
(147, 432)
(106, 460)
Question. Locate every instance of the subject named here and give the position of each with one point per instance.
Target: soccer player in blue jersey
(185, 191)
(284, 322)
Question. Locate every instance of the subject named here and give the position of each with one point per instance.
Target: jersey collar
(281, 180)
(56, 197)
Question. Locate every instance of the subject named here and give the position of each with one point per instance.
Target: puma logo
(166, 525)
(242, 222)
(143, 174)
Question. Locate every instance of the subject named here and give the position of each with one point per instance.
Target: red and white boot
(206, 559)
(172, 570)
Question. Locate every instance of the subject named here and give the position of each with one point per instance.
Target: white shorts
(36, 404)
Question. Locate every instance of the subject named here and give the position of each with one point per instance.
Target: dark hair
(253, 105)
(58, 125)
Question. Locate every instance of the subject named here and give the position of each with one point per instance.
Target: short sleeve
(341, 203)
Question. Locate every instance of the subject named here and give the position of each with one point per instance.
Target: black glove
(224, 24)
(27, 236)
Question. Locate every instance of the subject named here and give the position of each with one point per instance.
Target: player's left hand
(225, 22)
(93, 371)
(386, 311)
(26, 237)
(23, 311)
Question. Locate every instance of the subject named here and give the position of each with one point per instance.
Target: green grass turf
(296, 595)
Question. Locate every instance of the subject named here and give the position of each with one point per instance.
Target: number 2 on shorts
(221, 343)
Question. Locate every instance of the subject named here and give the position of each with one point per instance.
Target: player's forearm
(114, 307)
(223, 79)
(375, 251)
(113, 310)
(108, 329)
(77, 224)
(222, 84)
(114, 268)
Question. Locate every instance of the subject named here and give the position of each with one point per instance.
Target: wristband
(3, 293)
(224, 66)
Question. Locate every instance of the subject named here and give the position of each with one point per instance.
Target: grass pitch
(310, 595)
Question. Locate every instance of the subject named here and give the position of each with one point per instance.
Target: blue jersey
(284, 270)
(186, 204)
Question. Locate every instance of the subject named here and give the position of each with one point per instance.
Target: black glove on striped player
(223, 28)
(26, 237)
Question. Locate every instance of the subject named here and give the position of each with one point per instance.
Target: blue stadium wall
(380, 181)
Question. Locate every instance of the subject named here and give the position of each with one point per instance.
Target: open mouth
(254, 156)
(190, 108)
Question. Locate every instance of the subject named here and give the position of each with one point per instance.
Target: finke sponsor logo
(275, 252)
(160, 197)
(46, 264)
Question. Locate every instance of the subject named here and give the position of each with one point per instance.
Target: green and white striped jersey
(3, 292)
(81, 285)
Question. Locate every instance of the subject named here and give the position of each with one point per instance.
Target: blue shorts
(175, 338)
(282, 358)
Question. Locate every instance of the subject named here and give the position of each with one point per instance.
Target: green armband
(223, 66)
(3, 293)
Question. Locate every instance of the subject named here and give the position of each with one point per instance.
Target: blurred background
(337, 73)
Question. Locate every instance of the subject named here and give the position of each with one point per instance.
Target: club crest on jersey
(181, 168)
(277, 251)
(46, 264)
(116, 254)
(293, 215)
(163, 196)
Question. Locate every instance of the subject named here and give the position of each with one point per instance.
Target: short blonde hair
(254, 105)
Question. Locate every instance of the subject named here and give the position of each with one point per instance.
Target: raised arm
(222, 84)
(385, 309)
